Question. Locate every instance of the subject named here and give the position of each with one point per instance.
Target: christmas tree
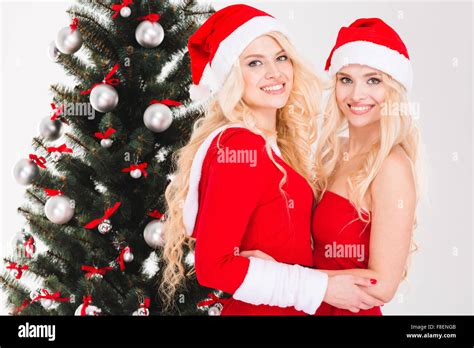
(99, 168)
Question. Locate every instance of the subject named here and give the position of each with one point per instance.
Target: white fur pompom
(199, 92)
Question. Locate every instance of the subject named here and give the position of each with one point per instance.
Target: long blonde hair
(397, 127)
(296, 131)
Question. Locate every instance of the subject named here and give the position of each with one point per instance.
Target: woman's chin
(361, 121)
(275, 103)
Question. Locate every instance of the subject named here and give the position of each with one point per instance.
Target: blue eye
(282, 58)
(345, 80)
(373, 81)
(255, 63)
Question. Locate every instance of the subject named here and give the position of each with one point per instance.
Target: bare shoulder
(395, 173)
(397, 161)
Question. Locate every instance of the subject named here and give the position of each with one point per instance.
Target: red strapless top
(341, 241)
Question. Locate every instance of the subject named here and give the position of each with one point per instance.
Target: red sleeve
(232, 193)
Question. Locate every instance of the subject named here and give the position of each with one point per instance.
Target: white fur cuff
(278, 284)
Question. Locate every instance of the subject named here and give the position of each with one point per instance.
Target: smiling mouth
(360, 109)
(275, 89)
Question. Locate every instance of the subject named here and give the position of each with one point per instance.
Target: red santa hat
(218, 43)
(371, 42)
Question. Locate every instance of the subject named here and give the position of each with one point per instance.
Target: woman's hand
(256, 253)
(346, 292)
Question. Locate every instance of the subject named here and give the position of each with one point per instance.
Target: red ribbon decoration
(145, 305)
(19, 268)
(39, 161)
(87, 300)
(168, 102)
(74, 24)
(51, 192)
(62, 148)
(152, 17)
(108, 213)
(106, 134)
(55, 297)
(214, 299)
(108, 80)
(19, 309)
(120, 258)
(57, 111)
(94, 270)
(156, 214)
(118, 7)
(140, 166)
(30, 243)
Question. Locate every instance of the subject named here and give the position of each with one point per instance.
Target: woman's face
(268, 74)
(360, 93)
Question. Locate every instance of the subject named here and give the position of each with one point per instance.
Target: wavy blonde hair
(296, 131)
(397, 127)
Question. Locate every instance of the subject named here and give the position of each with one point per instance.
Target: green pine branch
(79, 69)
(96, 36)
(102, 6)
(66, 94)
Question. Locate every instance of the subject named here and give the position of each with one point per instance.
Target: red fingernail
(373, 281)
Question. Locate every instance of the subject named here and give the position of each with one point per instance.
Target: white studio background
(439, 38)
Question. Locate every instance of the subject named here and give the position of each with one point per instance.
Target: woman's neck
(361, 139)
(266, 120)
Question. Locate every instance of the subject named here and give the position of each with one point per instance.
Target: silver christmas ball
(105, 226)
(59, 209)
(106, 143)
(136, 173)
(18, 239)
(125, 12)
(104, 98)
(68, 41)
(90, 310)
(153, 234)
(141, 312)
(47, 303)
(215, 310)
(53, 52)
(128, 257)
(149, 34)
(157, 117)
(25, 171)
(51, 130)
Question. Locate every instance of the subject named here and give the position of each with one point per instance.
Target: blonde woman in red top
(242, 181)
(367, 184)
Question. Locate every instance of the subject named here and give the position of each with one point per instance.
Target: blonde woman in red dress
(242, 181)
(367, 184)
